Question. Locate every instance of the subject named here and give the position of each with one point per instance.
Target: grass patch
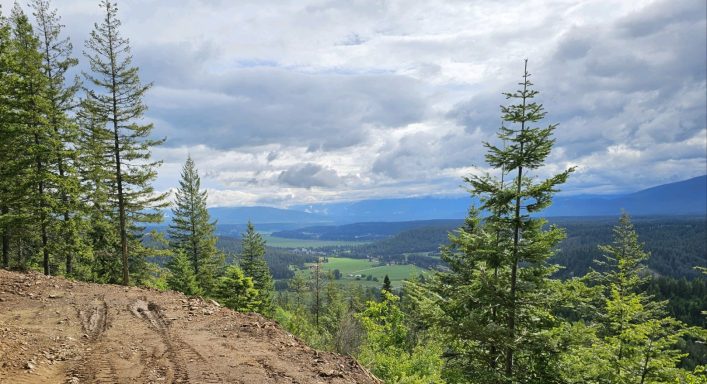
(349, 268)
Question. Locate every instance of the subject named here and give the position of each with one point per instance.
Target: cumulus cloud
(309, 175)
(315, 100)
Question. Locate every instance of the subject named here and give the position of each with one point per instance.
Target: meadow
(281, 242)
(349, 268)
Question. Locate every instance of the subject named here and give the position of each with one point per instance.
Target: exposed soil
(54, 330)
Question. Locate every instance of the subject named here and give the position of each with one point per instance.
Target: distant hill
(260, 215)
(688, 197)
(364, 231)
(677, 243)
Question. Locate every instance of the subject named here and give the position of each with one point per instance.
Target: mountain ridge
(686, 197)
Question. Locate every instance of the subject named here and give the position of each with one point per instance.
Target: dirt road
(57, 331)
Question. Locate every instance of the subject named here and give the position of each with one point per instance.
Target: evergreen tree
(56, 55)
(298, 285)
(116, 97)
(237, 291)
(316, 284)
(38, 204)
(497, 297)
(386, 284)
(253, 263)
(182, 276)
(9, 165)
(191, 230)
(633, 341)
(97, 184)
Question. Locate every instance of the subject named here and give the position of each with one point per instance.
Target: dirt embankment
(54, 330)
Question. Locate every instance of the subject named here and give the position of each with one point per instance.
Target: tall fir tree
(40, 199)
(497, 296)
(57, 60)
(116, 95)
(97, 184)
(9, 168)
(191, 230)
(253, 263)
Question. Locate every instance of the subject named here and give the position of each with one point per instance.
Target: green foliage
(236, 291)
(252, 261)
(191, 232)
(633, 341)
(182, 276)
(115, 99)
(297, 322)
(497, 298)
(57, 60)
(386, 284)
(388, 350)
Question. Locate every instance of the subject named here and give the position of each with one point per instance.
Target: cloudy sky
(291, 102)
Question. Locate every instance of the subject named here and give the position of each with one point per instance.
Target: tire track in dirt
(179, 353)
(96, 366)
(94, 320)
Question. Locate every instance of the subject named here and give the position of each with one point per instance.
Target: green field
(281, 242)
(349, 268)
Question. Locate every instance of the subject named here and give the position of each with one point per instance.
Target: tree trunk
(116, 153)
(516, 241)
(5, 241)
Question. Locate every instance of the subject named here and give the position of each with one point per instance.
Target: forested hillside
(88, 290)
(676, 244)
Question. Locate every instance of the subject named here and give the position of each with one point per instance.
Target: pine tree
(253, 263)
(316, 284)
(191, 230)
(97, 183)
(36, 137)
(298, 285)
(387, 287)
(497, 295)
(56, 54)
(634, 341)
(182, 276)
(116, 96)
(237, 291)
(9, 169)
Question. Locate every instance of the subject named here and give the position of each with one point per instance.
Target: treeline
(75, 166)
(676, 244)
(76, 172)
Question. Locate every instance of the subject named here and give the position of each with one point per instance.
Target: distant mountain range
(688, 197)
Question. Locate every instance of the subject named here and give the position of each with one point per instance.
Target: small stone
(30, 365)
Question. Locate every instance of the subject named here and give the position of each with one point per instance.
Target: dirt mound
(54, 330)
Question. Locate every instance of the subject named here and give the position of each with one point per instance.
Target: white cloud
(321, 100)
